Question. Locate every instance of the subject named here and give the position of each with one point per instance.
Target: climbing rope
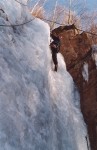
(21, 3)
(64, 25)
(16, 25)
(87, 32)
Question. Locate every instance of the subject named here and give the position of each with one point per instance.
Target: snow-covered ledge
(85, 73)
(94, 53)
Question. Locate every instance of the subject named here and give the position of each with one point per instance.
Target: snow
(94, 53)
(85, 72)
(39, 108)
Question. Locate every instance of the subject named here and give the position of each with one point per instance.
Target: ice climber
(55, 47)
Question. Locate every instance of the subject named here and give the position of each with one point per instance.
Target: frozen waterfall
(39, 108)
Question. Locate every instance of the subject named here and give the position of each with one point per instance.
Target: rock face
(76, 49)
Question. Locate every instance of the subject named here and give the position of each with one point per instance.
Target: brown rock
(76, 49)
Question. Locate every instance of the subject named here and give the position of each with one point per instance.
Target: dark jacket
(55, 45)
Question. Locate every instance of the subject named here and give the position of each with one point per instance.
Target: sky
(39, 108)
(91, 4)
